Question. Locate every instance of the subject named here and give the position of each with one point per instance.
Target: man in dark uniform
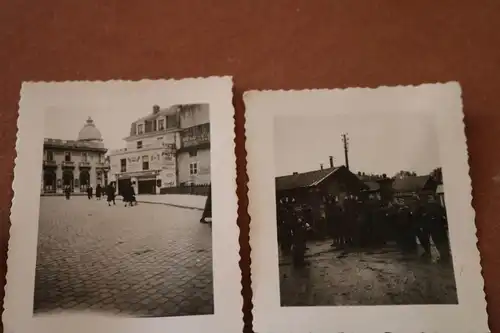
(439, 230)
(407, 235)
(423, 223)
(299, 230)
(284, 228)
(333, 220)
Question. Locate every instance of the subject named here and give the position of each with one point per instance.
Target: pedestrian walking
(207, 212)
(129, 195)
(67, 192)
(110, 194)
(90, 191)
(98, 191)
(133, 200)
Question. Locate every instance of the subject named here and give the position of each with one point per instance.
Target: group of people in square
(417, 223)
(127, 192)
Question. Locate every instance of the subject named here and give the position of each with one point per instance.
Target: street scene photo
(125, 225)
(361, 211)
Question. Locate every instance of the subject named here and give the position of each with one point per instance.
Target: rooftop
(410, 183)
(73, 144)
(89, 132)
(158, 112)
(305, 179)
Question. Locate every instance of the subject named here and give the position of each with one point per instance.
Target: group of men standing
(293, 228)
(368, 224)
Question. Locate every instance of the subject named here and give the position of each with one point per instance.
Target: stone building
(74, 163)
(167, 148)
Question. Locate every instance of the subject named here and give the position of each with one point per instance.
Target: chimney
(156, 109)
(321, 165)
(331, 161)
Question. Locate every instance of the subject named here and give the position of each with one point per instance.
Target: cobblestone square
(148, 260)
(379, 277)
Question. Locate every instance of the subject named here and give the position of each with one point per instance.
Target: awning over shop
(140, 174)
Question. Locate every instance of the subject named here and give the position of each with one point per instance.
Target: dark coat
(110, 192)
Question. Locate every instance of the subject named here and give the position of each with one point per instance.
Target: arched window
(84, 179)
(68, 179)
(49, 181)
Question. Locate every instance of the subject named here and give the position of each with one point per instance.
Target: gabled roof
(410, 183)
(305, 179)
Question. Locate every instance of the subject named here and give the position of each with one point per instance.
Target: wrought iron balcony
(102, 165)
(50, 164)
(84, 164)
(68, 164)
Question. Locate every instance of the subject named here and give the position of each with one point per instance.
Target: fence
(193, 190)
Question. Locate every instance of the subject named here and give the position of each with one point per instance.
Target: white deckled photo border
(443, 102)
(228, 316)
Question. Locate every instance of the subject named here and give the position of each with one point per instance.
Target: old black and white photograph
(361, 218)
(125, 186)
(126, 230)
(361, 212)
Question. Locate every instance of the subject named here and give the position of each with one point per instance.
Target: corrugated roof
(410, 183)
(305, 179)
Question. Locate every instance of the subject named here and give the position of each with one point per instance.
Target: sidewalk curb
(168, 204)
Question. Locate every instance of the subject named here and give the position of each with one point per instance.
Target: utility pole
(345, 141)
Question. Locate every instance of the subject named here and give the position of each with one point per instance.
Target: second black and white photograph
(361, 212)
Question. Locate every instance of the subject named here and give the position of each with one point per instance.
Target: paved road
(147, 260)
(384, 277)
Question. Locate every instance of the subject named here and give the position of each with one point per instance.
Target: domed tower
(89, 133)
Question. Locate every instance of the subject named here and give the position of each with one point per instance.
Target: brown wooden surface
(278, 44)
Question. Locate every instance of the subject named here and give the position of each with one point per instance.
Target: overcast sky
(376, 144)
(112, 107)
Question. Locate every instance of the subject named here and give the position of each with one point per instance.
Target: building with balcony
(148, 160)
(74, 163)
(167, 148)
(193, 155)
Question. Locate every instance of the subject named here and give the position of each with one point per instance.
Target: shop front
(146, 182)
(146, 185)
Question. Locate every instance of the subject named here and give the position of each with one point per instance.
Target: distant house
(373, 189)
(414, 186)
(378, 187)
(311, 187)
